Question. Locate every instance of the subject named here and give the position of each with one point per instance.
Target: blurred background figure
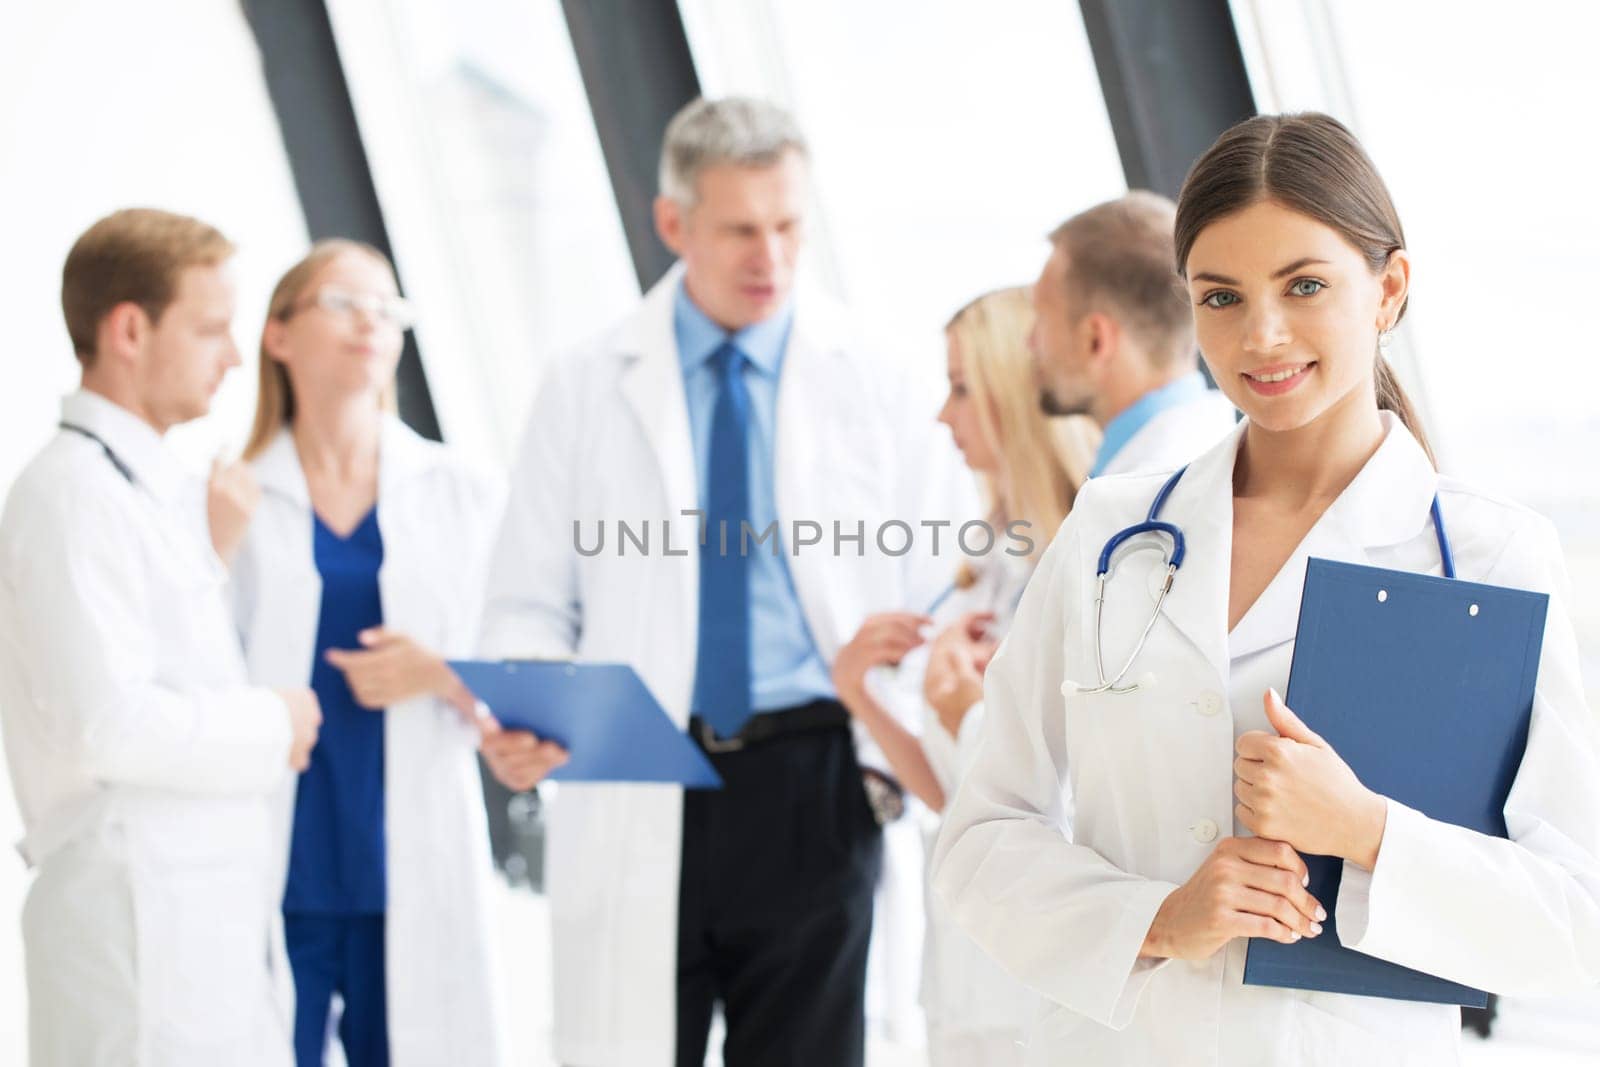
(1030, 464)
(1115, 340)
(143, 760)
(364, 564)
(733, 398)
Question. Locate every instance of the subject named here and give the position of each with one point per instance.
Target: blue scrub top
(337, 863)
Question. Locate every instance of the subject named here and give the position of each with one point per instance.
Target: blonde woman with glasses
(1031, 465)
(361, 568)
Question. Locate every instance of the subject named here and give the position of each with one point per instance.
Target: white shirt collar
(1386, 504)
(134, 442)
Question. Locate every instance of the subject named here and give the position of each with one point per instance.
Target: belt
(822, 714)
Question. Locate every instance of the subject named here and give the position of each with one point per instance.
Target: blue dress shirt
(786, 668)
(1120, 430)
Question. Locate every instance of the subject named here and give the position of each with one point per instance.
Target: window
(1500, 346)
(494, 193)
(126, 112)
(949, 139)
(1477, 116)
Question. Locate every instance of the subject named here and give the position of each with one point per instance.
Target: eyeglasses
(395, 311)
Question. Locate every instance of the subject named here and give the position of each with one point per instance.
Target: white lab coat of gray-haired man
(732, 394)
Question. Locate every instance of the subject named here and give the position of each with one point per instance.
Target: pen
(942, 597)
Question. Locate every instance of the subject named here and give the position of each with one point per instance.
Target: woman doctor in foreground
(1114, 850)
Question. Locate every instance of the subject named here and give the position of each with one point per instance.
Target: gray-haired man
(729, 400)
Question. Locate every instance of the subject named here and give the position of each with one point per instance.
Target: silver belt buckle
(714, 744)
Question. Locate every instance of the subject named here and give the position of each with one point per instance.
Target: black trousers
(775, 905)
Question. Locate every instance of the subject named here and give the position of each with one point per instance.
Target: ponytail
(1392, 397)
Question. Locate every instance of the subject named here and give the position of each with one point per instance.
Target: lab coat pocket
(1107, 734)
(203, 937)
(1057, 1028)
(1114, 739)
(1324, 1035)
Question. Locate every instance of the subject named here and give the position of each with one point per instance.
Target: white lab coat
(1084, 811)
(1175, 435)
(438, 519)
(977, 1013)
(608, 438)
(143, 764)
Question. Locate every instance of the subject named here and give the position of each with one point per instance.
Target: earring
(1384, 339)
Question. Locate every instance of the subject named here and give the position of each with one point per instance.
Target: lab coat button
(1204, 831)
(1209, 703)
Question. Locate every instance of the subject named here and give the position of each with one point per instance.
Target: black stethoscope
(1152, 524)
(116, 460)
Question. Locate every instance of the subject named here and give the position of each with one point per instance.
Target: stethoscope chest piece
(1173, 558)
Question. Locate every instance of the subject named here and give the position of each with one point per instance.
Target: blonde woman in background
(361, 569)
(1030, 465)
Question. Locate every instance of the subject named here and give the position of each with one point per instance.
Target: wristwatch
(884, 796)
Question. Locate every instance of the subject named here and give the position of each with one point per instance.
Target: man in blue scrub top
(1113, 338)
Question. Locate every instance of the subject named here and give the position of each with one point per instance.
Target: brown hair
(275, 392)
(1310, 163)
(1119, 253)
(131, 256)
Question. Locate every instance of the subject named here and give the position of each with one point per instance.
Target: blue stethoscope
(1152, 524)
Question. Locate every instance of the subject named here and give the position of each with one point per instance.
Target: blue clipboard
(1389, 664)
(601, 713)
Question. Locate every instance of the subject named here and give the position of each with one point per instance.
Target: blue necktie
(722, 660)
